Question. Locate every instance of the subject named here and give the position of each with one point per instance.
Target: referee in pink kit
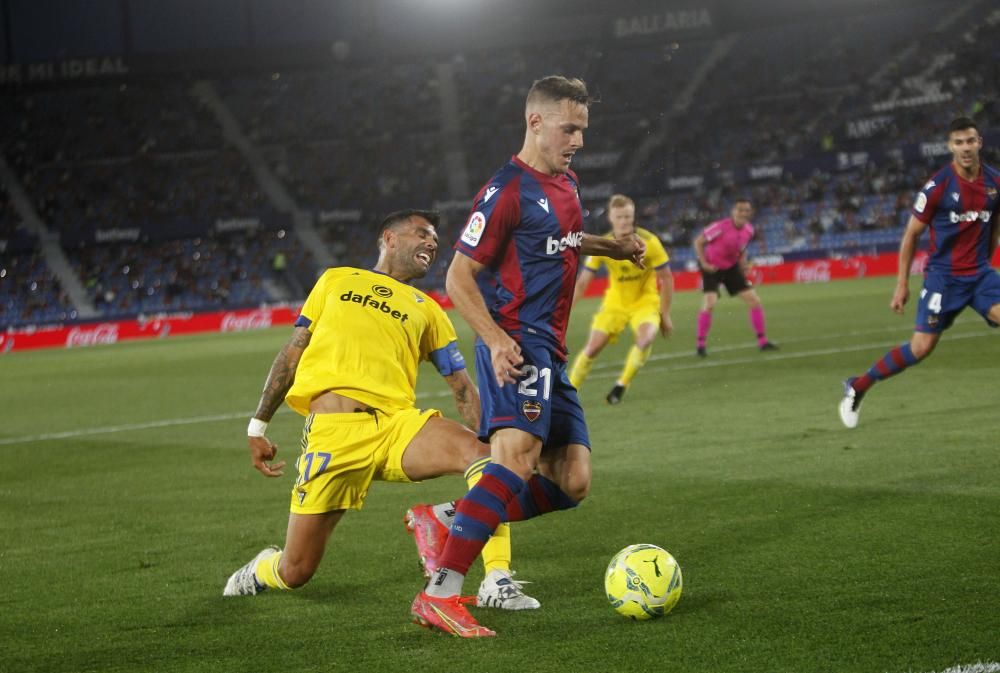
(722, 255)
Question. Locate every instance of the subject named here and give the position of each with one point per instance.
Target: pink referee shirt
(724, 243)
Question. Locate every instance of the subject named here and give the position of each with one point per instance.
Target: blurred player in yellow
(632, 299)
(350, 367)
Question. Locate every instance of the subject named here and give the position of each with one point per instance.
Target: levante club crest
(532, 410)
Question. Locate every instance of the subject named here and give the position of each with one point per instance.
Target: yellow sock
(633, 363)
(496, 552)
(581, 368)
(267, 572)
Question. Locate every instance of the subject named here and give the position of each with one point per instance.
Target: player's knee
(577, 488)
(576, 484)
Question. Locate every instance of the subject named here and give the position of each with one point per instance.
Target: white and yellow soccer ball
(643, 581)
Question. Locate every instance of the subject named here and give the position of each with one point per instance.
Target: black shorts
(732, 278)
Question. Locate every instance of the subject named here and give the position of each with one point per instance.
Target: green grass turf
(804, 546)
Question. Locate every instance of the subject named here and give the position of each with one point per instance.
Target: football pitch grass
(128, 498)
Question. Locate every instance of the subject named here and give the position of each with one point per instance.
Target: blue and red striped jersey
(526, 228)
(960, 214)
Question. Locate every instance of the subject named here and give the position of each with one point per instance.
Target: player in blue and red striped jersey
(959, 206)
(512, 279)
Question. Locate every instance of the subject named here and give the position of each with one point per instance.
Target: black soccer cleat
(701, 352)
(616, 394)
(768, 346)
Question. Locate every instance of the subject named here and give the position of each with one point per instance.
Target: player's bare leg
(994, 313)
(443, 446)
(305, 543)
(569, 468)
(898, 359)
(585, 360)
(634, 361)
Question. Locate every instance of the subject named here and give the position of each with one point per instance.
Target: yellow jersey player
(632, 299)
(350, 368)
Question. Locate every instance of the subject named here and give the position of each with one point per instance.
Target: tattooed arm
(466, 397)
(279, 381)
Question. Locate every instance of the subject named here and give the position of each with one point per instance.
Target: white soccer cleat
(850, 405)
(244, 582)
(500, 590)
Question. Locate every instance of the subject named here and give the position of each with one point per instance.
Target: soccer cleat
(616, 394)
(850, 406)
(429, 534)
(499, 589)
(244, 582)
(768, 346)
(701, 352)
(447, 614)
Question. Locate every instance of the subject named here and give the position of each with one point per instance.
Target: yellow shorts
(612, 321)
(343, 453)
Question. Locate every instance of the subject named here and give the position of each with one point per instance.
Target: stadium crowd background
(153, 163)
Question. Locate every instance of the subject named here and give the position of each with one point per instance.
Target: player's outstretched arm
(628, 247)
(465, 295)
(466, 397)
(907, 250)
(279, 381)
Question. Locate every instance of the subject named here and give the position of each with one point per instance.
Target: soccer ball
(643, 581)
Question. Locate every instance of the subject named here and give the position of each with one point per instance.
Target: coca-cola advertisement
(767, 271)
(146, 327)
(105, 333)
(243, 321)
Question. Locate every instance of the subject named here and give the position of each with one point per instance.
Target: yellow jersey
(369, 334)
(628, 285)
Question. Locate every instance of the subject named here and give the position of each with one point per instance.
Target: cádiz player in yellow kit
(350, 367)
(632, 299)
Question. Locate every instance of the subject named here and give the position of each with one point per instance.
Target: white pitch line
(760, 359)
(69, 434)
(699, 364)
(978, 667)
(170, 422)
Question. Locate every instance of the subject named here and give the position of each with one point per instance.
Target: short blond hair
(620, 201)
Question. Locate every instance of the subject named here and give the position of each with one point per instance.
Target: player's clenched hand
(507, 360)
(633, 249)
(666, 326)
(899, 298)
(262, 451)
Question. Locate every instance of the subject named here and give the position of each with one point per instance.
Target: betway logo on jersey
(374, 304)
(553, 246)
(971, 216)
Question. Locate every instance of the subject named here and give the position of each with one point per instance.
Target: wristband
(257, 428)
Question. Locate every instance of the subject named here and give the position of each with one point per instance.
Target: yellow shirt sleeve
(656, 255)
(313, 308)
(440, 332)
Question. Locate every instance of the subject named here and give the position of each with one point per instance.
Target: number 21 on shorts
(532, 374)
(934, 302)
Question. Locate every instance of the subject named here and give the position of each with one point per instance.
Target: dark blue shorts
(945, 296)
(543, 402)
